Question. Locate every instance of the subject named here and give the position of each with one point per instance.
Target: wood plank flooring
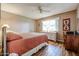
(54, 49)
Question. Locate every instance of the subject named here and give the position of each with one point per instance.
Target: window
(50, 25)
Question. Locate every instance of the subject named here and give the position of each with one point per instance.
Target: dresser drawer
(72, 42)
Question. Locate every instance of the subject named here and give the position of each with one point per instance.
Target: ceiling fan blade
(46, 10)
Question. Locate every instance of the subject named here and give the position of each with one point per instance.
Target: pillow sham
(13, 36)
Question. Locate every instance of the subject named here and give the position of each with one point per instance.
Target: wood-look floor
(54, 49)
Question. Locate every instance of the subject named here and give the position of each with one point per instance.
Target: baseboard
(51, 40)
(56, 41)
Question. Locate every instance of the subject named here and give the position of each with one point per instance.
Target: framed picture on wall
(66, 24)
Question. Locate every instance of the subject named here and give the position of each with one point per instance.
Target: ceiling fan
(41, 9)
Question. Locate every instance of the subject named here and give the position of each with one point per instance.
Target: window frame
(57, 24)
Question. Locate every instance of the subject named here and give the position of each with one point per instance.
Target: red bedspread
(23, 45)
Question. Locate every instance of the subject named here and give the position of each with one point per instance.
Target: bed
(25, 44)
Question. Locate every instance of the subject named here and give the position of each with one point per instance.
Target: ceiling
(31, 9)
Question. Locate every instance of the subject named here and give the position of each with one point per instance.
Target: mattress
(27, 43)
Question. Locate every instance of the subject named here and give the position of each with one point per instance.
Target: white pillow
(12, 31)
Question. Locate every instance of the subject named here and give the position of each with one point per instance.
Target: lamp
(4, 42)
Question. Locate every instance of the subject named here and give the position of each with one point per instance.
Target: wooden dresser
(71, 42)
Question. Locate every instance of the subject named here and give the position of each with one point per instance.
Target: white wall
(78, 18)
(17, 23)
(70, 14)
(78, 11)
